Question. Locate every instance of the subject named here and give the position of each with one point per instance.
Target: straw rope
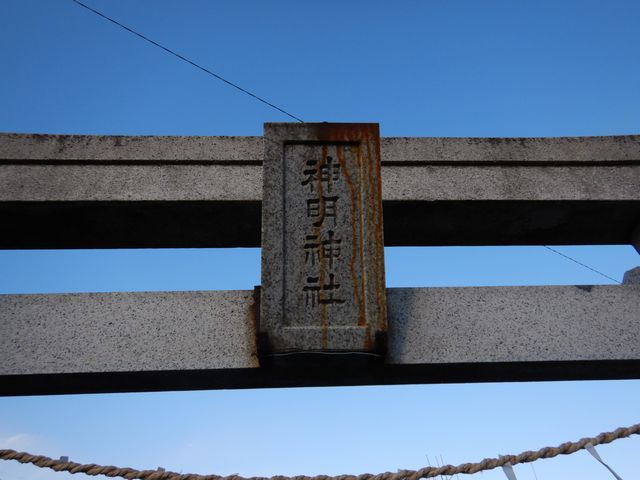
(426, 472)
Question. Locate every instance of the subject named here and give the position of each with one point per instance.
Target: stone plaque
(323, 285)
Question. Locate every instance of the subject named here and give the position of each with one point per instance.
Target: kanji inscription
(322, 247)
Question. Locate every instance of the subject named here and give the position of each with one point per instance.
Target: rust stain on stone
(355, 151)
(358, 290)
(341, 132)
(363, 140)
(377, 222)
(367, 153)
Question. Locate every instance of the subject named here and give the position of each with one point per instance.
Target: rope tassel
(592, 450)
(508, 471)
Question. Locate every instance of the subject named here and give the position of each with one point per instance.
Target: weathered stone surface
(238, 182)
(322, 244)
(61, 148)
(632, 277)
(130, 183)
(532, 150)
(513, 324)
(436, 334)
(137, 331)
(76, 191)
(116, 148)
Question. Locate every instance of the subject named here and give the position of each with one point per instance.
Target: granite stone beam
(74, 191)
(514, 324)
(110, 342)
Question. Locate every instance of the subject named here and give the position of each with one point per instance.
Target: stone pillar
(632, 277)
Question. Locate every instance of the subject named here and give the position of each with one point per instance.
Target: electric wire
(582, 264)
(260, 99)
(190, 62)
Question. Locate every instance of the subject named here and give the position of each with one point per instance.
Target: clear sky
(428, 68)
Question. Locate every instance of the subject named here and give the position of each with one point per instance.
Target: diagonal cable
(581, 264)
(190, 62)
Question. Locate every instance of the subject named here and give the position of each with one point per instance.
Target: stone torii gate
(326, 188)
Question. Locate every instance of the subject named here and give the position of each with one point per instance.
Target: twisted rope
(566, 448)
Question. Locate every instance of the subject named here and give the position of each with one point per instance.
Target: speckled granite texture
(110, 332)
(208, 330)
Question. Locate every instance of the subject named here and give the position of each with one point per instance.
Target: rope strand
(566, 448)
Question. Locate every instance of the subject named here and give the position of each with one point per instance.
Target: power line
(190, 62)
(581, 264)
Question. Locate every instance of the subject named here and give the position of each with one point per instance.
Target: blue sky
(429, 68)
